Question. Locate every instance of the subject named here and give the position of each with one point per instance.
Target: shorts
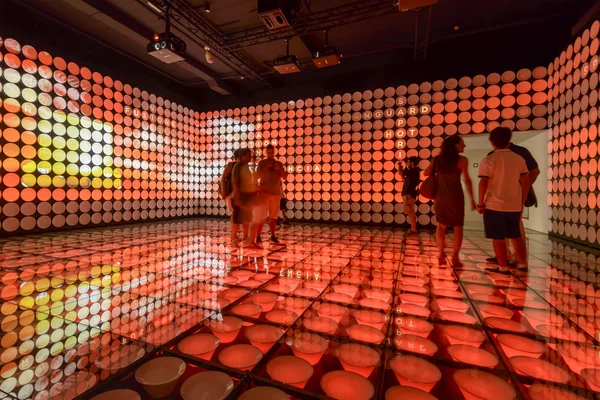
(274, 204)
(243, 212)
(500, 225)
(409, 203)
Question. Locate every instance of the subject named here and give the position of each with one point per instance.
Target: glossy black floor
(82, 311)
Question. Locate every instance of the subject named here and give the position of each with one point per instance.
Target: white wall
(537, 143)
(473, 220)
(539, 217)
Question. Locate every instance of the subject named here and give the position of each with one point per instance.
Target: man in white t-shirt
(503, 186)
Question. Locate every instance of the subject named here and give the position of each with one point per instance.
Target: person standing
(449, 201)
(270, 174)
(503, 187)
(245, 190)
(534, 172)
(412, 178)
(226, 191)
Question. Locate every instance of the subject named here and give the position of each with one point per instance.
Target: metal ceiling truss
(186, 18)
(312, 22)
(422, 32)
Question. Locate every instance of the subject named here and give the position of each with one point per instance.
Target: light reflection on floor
(82, 311)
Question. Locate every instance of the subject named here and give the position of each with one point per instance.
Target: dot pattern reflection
(88, 312)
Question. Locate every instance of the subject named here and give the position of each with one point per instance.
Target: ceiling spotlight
(456, 27)
(287, 64)
(328, 56)
(209, 55)
(242, 78)
(156, 37)
(206, 7)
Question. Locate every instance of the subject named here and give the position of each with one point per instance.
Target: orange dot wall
(83, 149)
(573, 140)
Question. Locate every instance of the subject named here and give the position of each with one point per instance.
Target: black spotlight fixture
(165, 46)
(328, 56)
(287, 64)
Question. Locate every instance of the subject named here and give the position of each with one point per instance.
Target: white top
(504, 170)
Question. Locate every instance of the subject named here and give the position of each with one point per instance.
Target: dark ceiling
(377, 41)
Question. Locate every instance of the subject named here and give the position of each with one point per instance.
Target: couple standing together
(505, 179)
(252, 196)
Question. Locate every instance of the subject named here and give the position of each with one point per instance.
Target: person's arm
(525, 185)
(483, 187)
(281, 170)
(226, 172)
(533, 175)
(261, 168)
(463, 164)
(484, 173)
(235, 183)
(429, 170)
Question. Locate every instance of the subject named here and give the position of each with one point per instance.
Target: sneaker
(492, 260)
(274, 239)
(512, 263)
(497, 271)
(258, 239)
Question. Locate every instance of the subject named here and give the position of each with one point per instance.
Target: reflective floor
(168, 310)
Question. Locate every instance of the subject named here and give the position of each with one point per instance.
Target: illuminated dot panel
(81, 149)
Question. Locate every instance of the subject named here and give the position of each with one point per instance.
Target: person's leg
(259, 214)
(412, 217)
(517, 237)
(500, 251)
(273, 213)
(440, 235)
(495, 229)
(457, 240)
(245, 230)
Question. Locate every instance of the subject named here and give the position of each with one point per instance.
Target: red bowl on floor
(457, 334)
(515, 345)
(365, 333)
(346, 385)
(407, 393)
(413, 326)
(539, 369)
(458, 317)
(538, 391)
(415, 344)
(358, 358)
(376, 319)
(309, 346)
(415, 372)
(490, 310)
(478, 385)
(472, 355)
(290, 370)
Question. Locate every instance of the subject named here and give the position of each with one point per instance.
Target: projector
(407, 5)
(327, 57)
(286, 64)
(167, 47)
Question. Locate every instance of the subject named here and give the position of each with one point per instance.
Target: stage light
(287, 64)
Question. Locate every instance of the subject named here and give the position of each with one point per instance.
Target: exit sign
(475, 165)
